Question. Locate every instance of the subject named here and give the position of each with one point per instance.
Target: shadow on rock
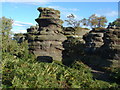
(73, 49)
(47, 59)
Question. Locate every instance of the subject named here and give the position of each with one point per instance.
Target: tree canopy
(72, 21)
(116, 22)
(6, 26)
(93, 21)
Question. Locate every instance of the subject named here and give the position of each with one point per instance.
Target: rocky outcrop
(45, 40)
(111, 45)
(69, 31)
(112, 40)
(104, 42)
(75, 32)
(94, 40)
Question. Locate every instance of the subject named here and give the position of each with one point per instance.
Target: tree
(5, 26)
(116, 22)
(101, 21)
(72, 21)
(95, 21)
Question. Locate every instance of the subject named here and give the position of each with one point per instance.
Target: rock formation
(104, 42)
(111, 45)
(94, 40)
(75, 32)
(45, 40)
(111, 38)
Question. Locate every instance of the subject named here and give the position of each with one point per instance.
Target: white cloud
(19, 31)
(112, 14)
(16, 24)
(107, 13)
(64, 9)
(21, 24)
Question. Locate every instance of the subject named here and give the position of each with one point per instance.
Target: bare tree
(72, 21)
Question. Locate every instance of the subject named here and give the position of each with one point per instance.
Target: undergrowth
(20, 69)
(22, 73)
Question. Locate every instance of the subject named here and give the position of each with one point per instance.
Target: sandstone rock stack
(45, 40)
(94, 40)
(111, 45)
(105, 43)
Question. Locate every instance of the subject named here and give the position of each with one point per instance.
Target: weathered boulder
(46, 41)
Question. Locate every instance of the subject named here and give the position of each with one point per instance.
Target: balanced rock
(45, 40)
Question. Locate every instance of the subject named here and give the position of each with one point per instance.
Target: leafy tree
(116, 22)
(11, 46)
(72, 21)
(95, 21)
(101, 21)
(6, 26)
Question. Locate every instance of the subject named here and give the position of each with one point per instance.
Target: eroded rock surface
(111, 45)
(45, 40)
(105, 43)
(94, 40)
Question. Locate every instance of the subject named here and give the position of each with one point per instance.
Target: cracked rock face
(45, 40)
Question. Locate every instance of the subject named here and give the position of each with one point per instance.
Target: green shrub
(116, 74)
(19, 73)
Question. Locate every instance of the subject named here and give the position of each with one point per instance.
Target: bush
(48, 75)
(116, 74)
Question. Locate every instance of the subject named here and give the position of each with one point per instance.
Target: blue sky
(25, 13)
